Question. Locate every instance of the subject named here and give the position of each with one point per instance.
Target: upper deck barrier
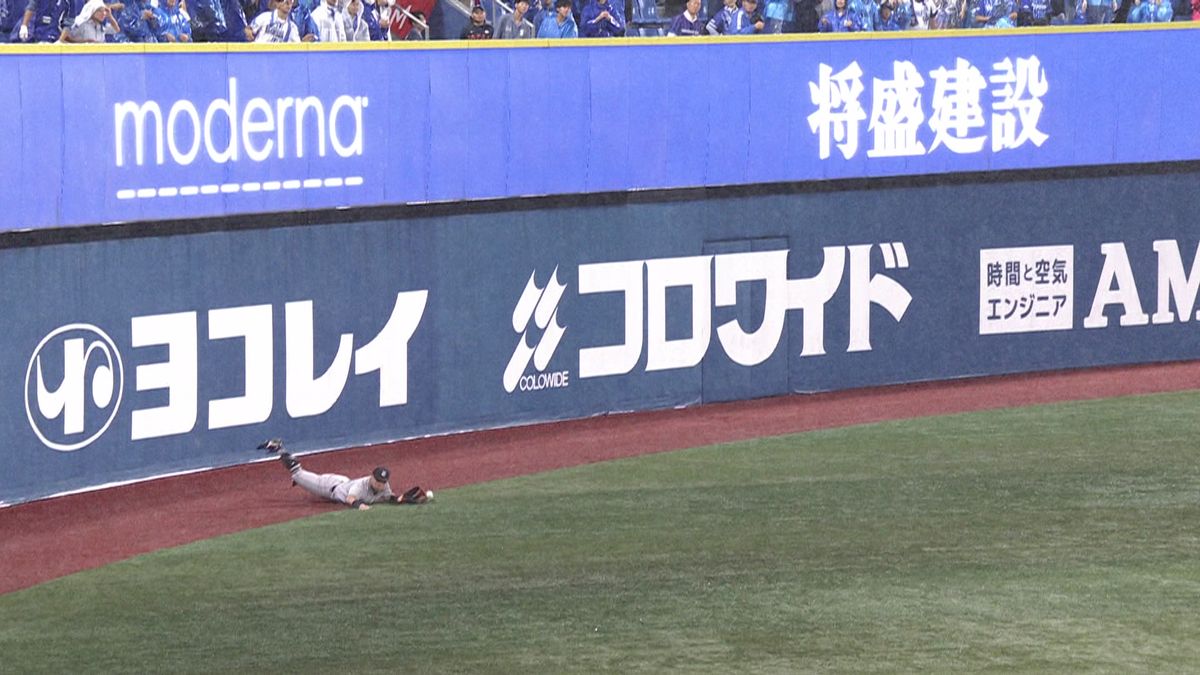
(104, 135)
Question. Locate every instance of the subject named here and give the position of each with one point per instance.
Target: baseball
(429, 494)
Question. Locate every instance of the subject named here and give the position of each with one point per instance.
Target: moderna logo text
(228, 130)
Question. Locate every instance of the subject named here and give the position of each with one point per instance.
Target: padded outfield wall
(136, 350)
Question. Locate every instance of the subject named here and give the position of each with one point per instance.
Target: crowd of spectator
(362, 20)
(891, 15)
(146, 21)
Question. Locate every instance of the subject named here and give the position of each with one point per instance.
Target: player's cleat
(288, 461)
(273, 445)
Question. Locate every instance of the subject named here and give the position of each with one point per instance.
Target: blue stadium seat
(645, 21)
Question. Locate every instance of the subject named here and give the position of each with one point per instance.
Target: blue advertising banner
(103, 136)
(136, 357)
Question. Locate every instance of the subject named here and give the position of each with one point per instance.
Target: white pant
(319, 484)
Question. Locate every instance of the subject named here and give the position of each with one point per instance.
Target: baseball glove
(413, 495)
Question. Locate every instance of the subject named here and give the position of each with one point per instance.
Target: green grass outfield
(1049, 539)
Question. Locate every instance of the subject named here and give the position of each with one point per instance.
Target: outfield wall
(154, 132)
(460, 303)
(153, 354)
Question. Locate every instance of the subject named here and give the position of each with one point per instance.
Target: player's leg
(317, 484)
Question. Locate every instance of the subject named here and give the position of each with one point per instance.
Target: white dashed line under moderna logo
(538, 306)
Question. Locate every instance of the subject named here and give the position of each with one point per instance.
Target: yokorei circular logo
(73, 386)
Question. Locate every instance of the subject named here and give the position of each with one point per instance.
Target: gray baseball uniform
(339, 488)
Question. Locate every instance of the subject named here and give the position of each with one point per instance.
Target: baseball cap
(381, 474)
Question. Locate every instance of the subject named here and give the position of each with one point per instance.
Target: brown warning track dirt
(51, 538)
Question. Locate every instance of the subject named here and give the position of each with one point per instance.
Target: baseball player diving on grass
(358, 493)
